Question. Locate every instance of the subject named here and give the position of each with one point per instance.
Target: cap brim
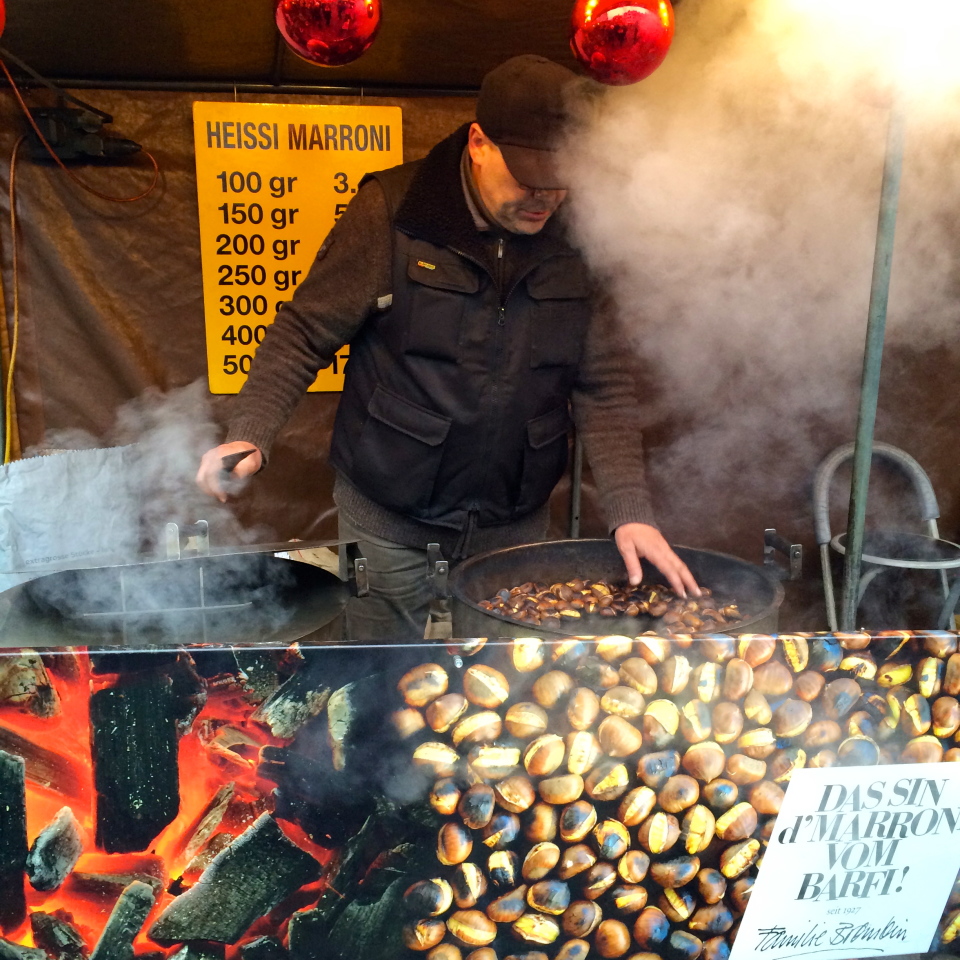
(532, 168)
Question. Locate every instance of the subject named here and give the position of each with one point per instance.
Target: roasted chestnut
(581, 918)
(612, 939)
(423, 684)
(658, 833)
(544, 755)
(423, 935)
(509, 907)
(468, 884)
(678, 793)
(445, 796)
(809, 685)
(472, 928)
(705, 681)
(674, 674)
(766, 797)
(598, 879)
(737, 679)
(611, 839)
(628, 898)
(501, 831)
(574, 860)
(712, 885)
(551, 688)
(821, 733)
(781, 766)
(678, 905)
(915, 718)
(541, 858)
(795, 651)
(549, 896)
(571, 950)
(711, 920)
(485, 686)
(454, 844)
(743, 770)
(582, 708)
(540, 822)
(503, 868)
(654, 769)
(697, 830)
(727, 721)
(791, 718)
(623, 701)
(695, 723)
(439, 758)
(536, 928)
(925, 749)
(633, 866)
(756, 708)
(945, 716)
(651, 928)
(737, 823)
(428, 898)
(445, 951)
(739, 857)
(515, 793)
(639, 675)
(583, 752)
(740, 893)
(758, 743)
(755, 648)
(772, 679)
(618, 737)
(526, 654)
(840, 697)
(704, 761)
(445, 711)
(607, 780)
(683, 946)
(493, 763)
(525, 720)
(661, 721)
(476, 806)
(675, 873)
(577, 820)
(636, 806)
(720, 794)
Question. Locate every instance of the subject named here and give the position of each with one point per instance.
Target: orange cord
(64, 168)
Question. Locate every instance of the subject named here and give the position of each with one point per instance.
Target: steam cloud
(730, 201)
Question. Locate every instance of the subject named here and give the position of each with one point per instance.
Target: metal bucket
(756, 593)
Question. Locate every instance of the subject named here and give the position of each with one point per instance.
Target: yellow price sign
(272, 179)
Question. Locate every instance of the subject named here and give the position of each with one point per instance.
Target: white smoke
(730, 202)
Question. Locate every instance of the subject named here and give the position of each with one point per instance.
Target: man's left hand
(637, 541)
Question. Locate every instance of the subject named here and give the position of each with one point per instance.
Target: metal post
(873, 356)
(576, 487)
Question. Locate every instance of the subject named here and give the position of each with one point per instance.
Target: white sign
(860, 864)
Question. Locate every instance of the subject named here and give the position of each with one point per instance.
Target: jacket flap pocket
(409, 418)
(562, 278)
(441, 269)
(548, 427)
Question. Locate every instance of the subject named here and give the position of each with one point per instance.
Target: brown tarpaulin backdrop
(110, 301)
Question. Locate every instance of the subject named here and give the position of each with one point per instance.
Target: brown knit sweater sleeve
(608, 419)
(350, 273)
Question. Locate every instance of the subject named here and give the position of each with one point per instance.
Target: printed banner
(860, 864)
(272, 179)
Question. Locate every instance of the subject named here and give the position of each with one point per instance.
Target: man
(473, 328)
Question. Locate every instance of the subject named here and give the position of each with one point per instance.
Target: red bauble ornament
(621, 41)
(328, 32)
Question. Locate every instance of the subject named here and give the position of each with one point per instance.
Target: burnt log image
(55, 852)
(24, 683)
(44, 767)
(264, 948)
(56, 935)
(244, 882)
(134, 731)
(126, 920)
(13, 951)
(13, 841)
(294, 702)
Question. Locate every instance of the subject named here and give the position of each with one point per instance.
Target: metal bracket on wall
(177, 539)
(773, 543)
(438, 570)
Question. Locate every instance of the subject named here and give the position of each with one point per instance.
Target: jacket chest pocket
(560, 291)
(440, 285)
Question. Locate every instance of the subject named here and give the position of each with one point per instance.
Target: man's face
(515, 207)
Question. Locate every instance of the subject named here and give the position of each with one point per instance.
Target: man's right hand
(211, 475)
